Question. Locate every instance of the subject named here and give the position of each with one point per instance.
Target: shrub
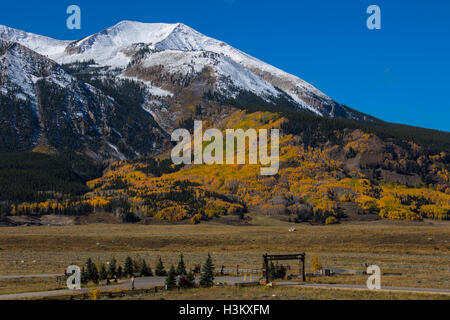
(197, 269)
(332, 220)
(172, 214)
(315, 264)
(196, 218)
(281, 272)
(187, 281)
(94, 293)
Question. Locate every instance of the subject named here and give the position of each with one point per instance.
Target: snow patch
(121, 156)
(151, 89)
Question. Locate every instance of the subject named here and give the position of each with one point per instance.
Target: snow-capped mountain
(121, 91)
(176, 45)
(42, 104)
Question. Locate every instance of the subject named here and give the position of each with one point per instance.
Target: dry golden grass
(419, 252)
(281, 293)
(22, 285)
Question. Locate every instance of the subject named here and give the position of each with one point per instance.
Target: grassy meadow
(410, 254)
(281, 293)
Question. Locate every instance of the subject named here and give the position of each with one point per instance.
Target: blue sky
(399, 73)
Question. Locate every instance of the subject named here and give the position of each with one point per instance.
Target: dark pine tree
(112, 268)
(103, 274)
(91, 270)
(119, 272)
(207, 273)
(160, 271)
(181, 268)
(171, 280)
(84, 276)
(145, 270)
(128, 268)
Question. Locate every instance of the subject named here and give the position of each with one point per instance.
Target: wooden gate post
(303, 268)
(266, 268)
(300, 268)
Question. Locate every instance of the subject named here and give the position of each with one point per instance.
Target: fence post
(303, 267)
(266, 268)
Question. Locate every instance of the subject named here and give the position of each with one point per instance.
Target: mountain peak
(174, 46)
(41, 44)
(120, 36)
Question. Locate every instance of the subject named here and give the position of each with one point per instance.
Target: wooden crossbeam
(301, 257)
(280, 257)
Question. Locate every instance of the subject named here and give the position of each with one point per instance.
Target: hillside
(342, 173)
(111, 101)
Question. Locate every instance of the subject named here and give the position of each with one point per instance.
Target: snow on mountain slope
(41, 103)
(107, 47)
(21, 68)
(126, 33)
(229, 73)
(22, 71)
(103, 47)
(43, 45)
(176, 45)
(185, 38)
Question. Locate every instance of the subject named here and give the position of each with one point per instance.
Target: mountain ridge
(107, 49)
(129, 109)
(42, 103)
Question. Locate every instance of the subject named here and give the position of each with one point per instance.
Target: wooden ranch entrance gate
(282, 257)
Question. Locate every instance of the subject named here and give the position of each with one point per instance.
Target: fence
(237, 270)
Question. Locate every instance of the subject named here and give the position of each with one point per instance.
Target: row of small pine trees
(91, 272)
(187, 279)
(95, 273)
